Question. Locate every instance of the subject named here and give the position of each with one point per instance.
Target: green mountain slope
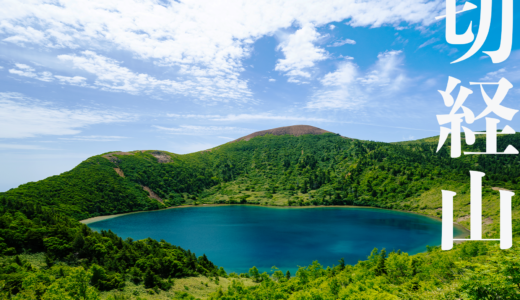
(300, 166)
(309, 169)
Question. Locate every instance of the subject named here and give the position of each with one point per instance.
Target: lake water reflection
(239, 237)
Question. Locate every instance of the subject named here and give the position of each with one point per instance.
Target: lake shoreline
(464, 230)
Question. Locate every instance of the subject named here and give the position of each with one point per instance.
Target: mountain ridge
(294, 130)
(295, 167)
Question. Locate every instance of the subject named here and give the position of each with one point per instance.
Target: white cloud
(205, 48)
(496, 75)
(348, 88)
(46, 76)
(338, 97)
(386, 72)
(27, 71)
(345, 74)
(272, 80)
(342, 42)
(445, 48)
(429, 42)
(1, 67)
(22, 117)
(331, 27)
(111, 76)
(511, 72)
(199, 130)
(24, 67)
(76, 80)
(95, 138)
(346, 57)
(300, 53)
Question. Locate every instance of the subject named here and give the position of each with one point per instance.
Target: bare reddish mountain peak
(295, 130)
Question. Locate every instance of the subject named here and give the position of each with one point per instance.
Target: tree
(380, 267)
(399, 268)
(74, 286)
(334, 286)
(341, 263)
(149, 279)
(254, 273)
(278, 276)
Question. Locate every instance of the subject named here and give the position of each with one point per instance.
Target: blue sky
(80, 78)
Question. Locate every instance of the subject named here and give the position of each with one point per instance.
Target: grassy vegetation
(473, 270)
(199, 287)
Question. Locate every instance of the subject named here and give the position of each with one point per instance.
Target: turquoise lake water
(239, 237)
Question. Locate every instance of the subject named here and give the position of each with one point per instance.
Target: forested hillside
(312, 169)
(265, 169)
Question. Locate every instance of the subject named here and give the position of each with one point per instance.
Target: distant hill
(295, 130)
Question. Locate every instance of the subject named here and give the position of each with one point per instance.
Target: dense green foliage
(92, 188)
(275, 170)
(472, 270)
(109, 259)
(327, 169)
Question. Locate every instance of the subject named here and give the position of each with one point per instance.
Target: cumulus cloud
(300, 53)
(75, 80)
(349, 88)
(172, 32)
(193, 37)
(111, 76)
(22, 117)
(27, 71)
(386, 72)
(496, 75)
(511, 72)
(345, 74)
(342, 42)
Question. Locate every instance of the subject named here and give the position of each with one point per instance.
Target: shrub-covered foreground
(473, 270)
(78, 261)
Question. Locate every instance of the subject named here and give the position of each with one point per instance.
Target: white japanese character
(493, 105)
(453, 38)
(454, 118)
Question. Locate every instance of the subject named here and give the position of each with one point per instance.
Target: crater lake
(238, 237)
